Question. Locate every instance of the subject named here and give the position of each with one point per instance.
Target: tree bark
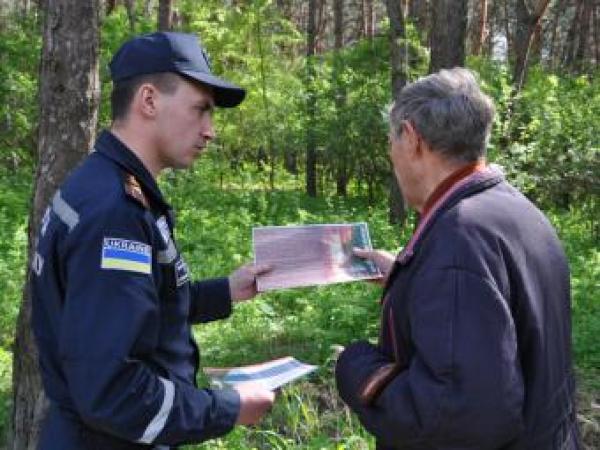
(130, 7)
(165, 15)
(553, 45)
(570, 45)
(584, 35)
(311, 102)
(529, 14)
(448, 32)
(69, 96)
(418, 13)
(596, 25)
(342, 157)
(479, 26)
(399, 66)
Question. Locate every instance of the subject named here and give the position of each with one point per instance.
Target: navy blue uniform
(476, 313)
(112, 312)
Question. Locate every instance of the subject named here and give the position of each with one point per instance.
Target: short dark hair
(124, 90)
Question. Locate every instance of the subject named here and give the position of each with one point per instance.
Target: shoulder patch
(134, 190)
(123, 254)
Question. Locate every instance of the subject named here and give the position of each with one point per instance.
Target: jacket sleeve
(463, 385)
(210, 300)
(109, 330)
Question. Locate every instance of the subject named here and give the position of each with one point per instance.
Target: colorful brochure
(311, 255)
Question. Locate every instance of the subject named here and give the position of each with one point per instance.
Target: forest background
(309, 145)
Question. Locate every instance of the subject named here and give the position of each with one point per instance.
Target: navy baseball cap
(172, 52)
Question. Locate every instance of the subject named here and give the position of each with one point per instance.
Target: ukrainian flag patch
(122, 254)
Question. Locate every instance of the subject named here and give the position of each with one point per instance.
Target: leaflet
(309, 255)
(270, 375)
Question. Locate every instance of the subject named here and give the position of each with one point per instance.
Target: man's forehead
(201, 92)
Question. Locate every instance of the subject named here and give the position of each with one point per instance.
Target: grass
(214, 233)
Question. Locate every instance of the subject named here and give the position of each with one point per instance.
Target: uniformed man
(112, 298)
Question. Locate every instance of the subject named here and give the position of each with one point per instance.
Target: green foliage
(549, 146)
(20, 46)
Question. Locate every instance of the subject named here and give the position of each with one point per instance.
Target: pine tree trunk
(130, 7)
(165, 15)
(341, 155)
(529, 15)
(596, 24)
(69, 96)
(570, 45)
(479, 26)
(398, 54)
(448, 32)
(584, 32)
(311, 152)
(418, 13)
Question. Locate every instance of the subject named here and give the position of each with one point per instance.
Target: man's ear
(413, 137)
(147, 100)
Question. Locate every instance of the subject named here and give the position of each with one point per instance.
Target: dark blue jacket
(112, 313)
(476, 312)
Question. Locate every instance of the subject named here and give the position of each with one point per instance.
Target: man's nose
(208, 130)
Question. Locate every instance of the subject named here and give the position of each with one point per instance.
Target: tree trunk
(341, 155)
(584, 38)
(311, 151)
(596, 25)
(529, 15)
(69, 96)
(130, 7)
(448, 31)
(479, 26)
(399, 66)
(570, 46)
(418, 13)
(165, 15)
(368, 18)
(552, 47)
(266, 105)
(508, 31)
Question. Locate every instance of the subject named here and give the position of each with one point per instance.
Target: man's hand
(242, 282)
(255, 402)
(382, 259)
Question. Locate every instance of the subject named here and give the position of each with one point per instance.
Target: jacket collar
(477, 181)
(111, 147)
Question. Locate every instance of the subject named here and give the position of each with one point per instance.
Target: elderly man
(475, 343)
(113, 302)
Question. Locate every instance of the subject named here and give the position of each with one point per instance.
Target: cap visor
(227, 95)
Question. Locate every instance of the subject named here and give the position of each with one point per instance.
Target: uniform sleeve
(210, 300)
(109, 330)
(463, 386)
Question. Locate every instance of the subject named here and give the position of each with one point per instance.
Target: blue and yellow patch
(122, 254)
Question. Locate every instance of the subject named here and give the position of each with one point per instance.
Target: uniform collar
(111, 147)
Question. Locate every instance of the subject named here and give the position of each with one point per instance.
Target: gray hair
(449, 111)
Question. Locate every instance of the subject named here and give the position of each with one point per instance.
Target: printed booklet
(271, 374)
(309, 255)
